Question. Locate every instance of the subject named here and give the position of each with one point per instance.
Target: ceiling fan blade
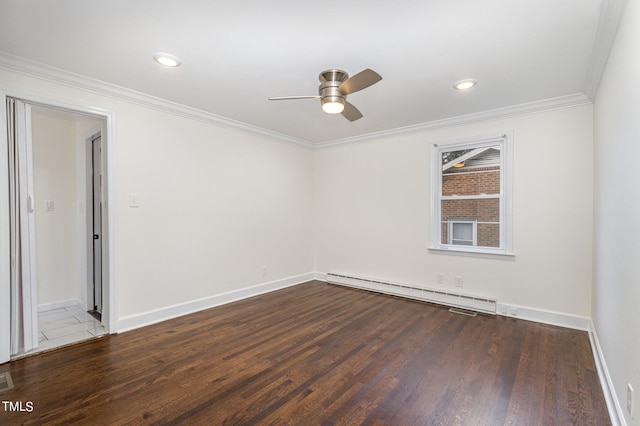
(350, 112)
(286, 98)
(360, 81)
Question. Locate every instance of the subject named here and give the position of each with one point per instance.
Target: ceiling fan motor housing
(329, 90)
(333, 75)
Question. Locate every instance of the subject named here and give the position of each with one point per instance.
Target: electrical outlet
(264, 271)
(513, 311)
(439, 278)
(459, 281)
(630, 400)
(48, 206)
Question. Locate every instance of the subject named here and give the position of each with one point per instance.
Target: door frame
(109, 243)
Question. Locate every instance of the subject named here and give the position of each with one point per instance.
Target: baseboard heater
(441, 297)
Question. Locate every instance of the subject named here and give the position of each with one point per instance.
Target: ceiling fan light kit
(335, 85)
(333, 106)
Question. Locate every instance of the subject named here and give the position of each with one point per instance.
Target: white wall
(55, 174)
(616, 312)
(216, 204)
(372, 212)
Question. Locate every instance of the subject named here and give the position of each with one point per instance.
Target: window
(462, 232)
(471, 200)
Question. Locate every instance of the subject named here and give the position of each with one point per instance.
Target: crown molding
(67, 78)
(560, 102)
(611, 12)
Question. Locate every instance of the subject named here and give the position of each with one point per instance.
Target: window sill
(472, 253)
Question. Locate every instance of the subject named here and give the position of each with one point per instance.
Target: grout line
(97, 329)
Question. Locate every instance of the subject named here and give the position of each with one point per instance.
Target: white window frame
(505, 248)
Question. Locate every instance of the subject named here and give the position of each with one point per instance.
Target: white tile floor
(63, 326)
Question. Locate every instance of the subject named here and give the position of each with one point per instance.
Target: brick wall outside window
(460, 182)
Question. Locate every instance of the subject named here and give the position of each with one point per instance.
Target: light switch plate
(134, 200)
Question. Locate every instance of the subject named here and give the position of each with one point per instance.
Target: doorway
(70, 226)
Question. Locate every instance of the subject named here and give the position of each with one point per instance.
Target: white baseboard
(157, 315)
(613, 403)
(544, 316)
(320, 276)
(524, 312)
(60, 304)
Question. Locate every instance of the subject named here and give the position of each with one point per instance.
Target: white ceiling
(236, 54)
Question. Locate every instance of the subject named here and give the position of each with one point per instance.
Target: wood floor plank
(317, 354)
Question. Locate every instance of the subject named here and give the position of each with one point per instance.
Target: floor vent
(463, 312)
(5, 381)
(442, 297)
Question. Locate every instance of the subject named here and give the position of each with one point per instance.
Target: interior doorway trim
(110, 152)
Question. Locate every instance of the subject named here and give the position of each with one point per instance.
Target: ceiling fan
(335, 85)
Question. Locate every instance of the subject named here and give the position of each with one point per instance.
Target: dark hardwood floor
(317, 354)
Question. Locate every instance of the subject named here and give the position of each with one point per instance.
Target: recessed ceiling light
(465, 84)
(167, 60)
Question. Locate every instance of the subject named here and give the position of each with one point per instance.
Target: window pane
(484, 211)
(471, 172)
(489, 234)
(463, 231)
(477, 209)
(450, 156)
